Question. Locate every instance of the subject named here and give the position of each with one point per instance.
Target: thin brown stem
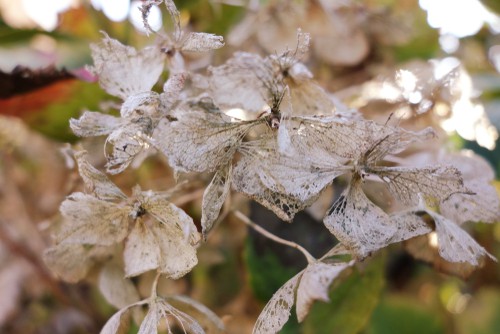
(154, 287)
(267, 234)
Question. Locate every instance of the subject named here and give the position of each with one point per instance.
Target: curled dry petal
(92, 124)
(95, 181)
(122, 70)
(126, 143)
(172, 89)
(314, 285)
(88, 220)
(141, 104)
(214, 197)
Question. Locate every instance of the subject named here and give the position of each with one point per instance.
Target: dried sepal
(141, 251)
(144, 104)
(145, 9)
(482, 205)
(359, 224)
(159, 310)
(124, 71)
(155, 245)
(210, 322)
(436, 183)
(116, 289)
(172, 90)
(277, 311)
(303, 177)
(124, 144)
(214, 197)
(244, 81)
(247, 181)
(92, 124)
(158, 206)
(119, 322)
(95, 181)
(314, 285)
(307, 286)
(89, 220)
(345, 139)
(391, 140)
(201, 42)
(456, 245)
(409, 225)
(72, 262)
(201, 140)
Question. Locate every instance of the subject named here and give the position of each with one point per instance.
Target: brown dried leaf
(277, 311)
(89, 220)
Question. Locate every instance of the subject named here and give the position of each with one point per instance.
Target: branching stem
(267, 234)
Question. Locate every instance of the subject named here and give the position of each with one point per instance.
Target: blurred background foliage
(238, 271)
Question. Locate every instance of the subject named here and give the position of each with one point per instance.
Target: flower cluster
(264, 127)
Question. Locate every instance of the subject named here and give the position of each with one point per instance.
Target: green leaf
(398, 314)
(267, 273)
(351, 302)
